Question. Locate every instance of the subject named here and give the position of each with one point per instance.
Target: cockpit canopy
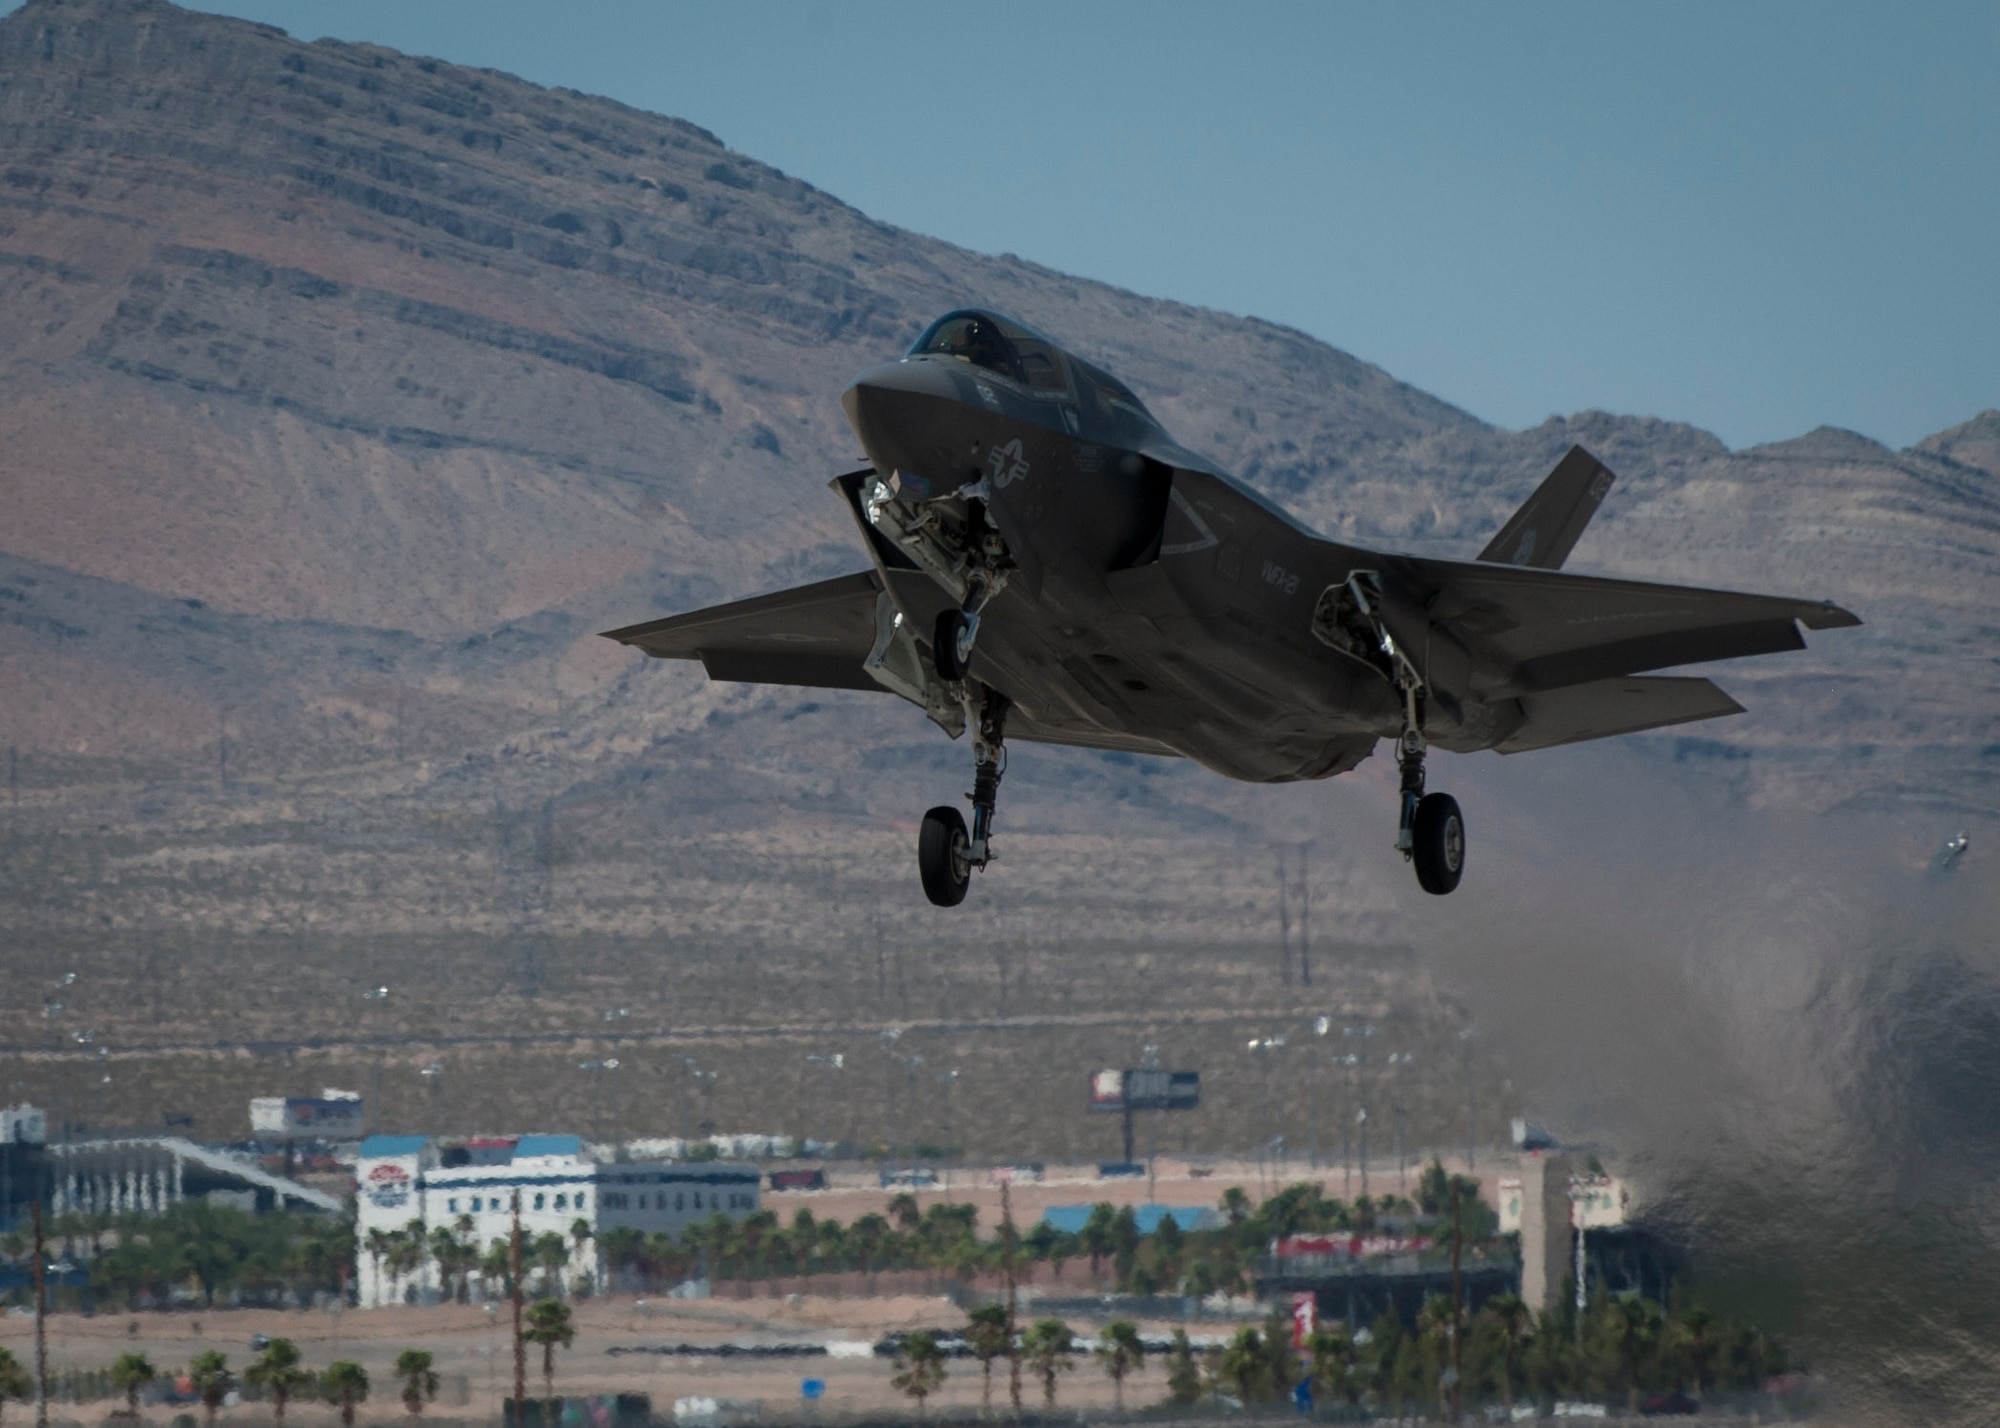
(1104, 405)
(998, 345)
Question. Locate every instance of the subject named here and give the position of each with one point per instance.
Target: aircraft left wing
(1527, 631)
(816, 635)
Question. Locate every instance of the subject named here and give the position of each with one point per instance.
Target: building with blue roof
(1071, 1219)
(376, 1147)
(476, 1187)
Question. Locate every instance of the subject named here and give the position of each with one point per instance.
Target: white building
(401, 1179)
(1597, 1202)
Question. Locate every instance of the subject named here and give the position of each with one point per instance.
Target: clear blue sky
(1755, 217)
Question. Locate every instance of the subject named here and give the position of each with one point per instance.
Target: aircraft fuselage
(1149, 595)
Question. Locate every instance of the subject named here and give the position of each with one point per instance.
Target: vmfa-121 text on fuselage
(1050, 565)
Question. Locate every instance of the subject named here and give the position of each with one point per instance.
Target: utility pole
(520, 1344)
(41, 1322)
(1471, 1121)
(1007, 1261)
(1305, 920)
(1582, 1294)
(1457, 1300)
(1284, 924)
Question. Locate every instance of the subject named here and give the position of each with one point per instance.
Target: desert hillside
(345, 394)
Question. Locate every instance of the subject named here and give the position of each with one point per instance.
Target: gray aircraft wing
(1528, 631)
(816, 635)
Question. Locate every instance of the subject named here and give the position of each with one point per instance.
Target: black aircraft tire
(944, 646)
(941, 848)
(1439, 843)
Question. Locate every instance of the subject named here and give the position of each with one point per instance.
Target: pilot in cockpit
(978, 341)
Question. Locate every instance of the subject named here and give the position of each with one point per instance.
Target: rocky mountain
(345, 394)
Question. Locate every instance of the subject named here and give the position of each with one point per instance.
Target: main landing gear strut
(946, 852)
(1431, 831)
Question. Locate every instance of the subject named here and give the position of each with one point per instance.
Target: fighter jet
(1049, 565)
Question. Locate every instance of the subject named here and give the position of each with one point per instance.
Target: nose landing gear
(946, 851)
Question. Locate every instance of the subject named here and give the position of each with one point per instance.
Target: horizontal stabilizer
(1614, 706)
(1547, 527)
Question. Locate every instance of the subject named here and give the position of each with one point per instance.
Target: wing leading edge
(819, 637)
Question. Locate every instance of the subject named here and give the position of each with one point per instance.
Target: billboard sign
(304, 1117)
(307, 1119)
(1305, 1317)
(1349, 1246)
(1145, 1089)
(388, 1186)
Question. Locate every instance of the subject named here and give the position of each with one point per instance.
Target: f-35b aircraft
(1050, 565)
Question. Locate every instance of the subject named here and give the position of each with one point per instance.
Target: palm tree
(1183, 1373)
(1245, 1361)
(344, 1384)
(581, 1234)
(866, 1238)
(549, 1325)
(1332, 1351)
(409, 1250)
(378, 1242)
(15, 1380)
(1635, 1329)
(1047, 1345)
(986, 1331)
(450, 1252)
(753, 1235)
(550, 1252)
(420, 1385)
(1120, 1351)
(1235, 1205)
(209, 1372)
(276, 1370)
(1698, 1347)
(1510, 1317)
(919, 1369)
(1550, 1358)
(833, 1246)
(1095, 1237)
(1437, 1322)
(417, 1247)
(131, 1373)
(621, 1248)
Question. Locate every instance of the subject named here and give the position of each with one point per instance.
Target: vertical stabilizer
(1546, 528)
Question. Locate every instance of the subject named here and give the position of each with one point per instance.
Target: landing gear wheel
(1438, 843)
(942, 856)
(951, 644)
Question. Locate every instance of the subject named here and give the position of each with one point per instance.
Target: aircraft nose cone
(902, 413)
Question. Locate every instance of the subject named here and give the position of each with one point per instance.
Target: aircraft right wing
(1529, 631)
(816, 635)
